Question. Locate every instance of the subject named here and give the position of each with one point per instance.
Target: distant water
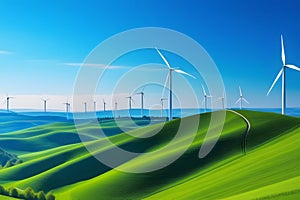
(138, 113)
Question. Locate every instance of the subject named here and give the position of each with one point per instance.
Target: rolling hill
(55, 161)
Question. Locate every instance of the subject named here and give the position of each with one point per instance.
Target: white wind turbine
(142, 100)
(67, 107)
(241, 99)
(104, 105)
(130, 100)
(282, 74)
(7, 102)
(45, 103)
(205, 98)
(85, 107)
(223, 100)
(95, 106)
(169, 76)
(116, 105)
(116, 108)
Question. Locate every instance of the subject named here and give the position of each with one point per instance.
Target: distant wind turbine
(223, 100)
(162, 106)
(104, 105)
(169, 76)
(45, 103)
(241, 99)
(95, 106)
(67, 108)
(142, 101)
(85, 107)
(205, 98)
(130, 100)
(7, 102)
(282, 74)
(116, 105)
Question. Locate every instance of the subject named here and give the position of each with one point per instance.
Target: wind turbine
(241, 99)
(45, 104)
(104, 105)
(129, 101)
(116, 105)
(85, 107)
(67, 108)
(205, 98)
(7, 102)
(162, 105)
(95, 108)
(142, 101)
(282, 74)
(169, 76)
(223, 100)
(116, 108)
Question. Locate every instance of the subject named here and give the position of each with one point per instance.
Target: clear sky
(42, 42)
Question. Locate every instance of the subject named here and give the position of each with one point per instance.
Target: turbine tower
(241, 99)
(169, 76)
(7, 102)
(205, 98)
(283, 78)
(142, 101)
(162, 106)
(45, 104)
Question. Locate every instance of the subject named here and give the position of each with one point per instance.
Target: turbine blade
(241, 94)
(183, 72)
(203, 90)
(165, 85)
(209, 96)
(293, 67)
(282, 51)
(246, 100)
(164, 59)
(279, 74)
(237, 101)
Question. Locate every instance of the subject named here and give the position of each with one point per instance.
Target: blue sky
(40, 41)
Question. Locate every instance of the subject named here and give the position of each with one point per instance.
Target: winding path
(247, 131)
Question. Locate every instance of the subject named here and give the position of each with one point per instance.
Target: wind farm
(150, 100)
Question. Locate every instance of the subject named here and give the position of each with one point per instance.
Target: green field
(55, 160)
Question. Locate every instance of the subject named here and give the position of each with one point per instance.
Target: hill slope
(270, 164)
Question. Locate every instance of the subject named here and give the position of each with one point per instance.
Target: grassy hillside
(268, 171)
(176, 180)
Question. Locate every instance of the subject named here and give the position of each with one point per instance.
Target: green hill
(269, 170)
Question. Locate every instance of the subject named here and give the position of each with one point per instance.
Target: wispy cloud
(137, 68)
(95, 65)
(3, 52)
